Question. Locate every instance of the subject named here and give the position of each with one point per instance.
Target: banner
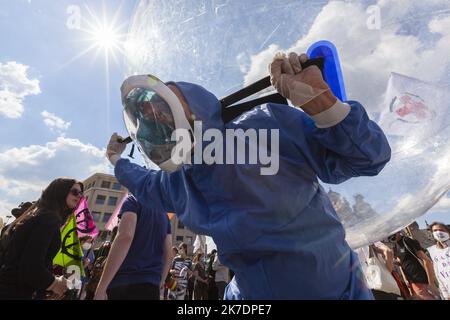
(414, 110)
(199, 244)
(85, 220)
(70, 253)
(114, 219)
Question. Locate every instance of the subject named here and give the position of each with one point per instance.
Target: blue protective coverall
(278, 233)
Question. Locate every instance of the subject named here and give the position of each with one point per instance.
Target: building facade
(424, 236)
(103, 193)
(180, 233)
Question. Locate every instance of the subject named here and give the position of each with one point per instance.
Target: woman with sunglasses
(31, 242)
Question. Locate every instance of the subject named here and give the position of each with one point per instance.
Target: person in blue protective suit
(279, 233)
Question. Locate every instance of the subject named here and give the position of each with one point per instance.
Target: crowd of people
(203, 278)
(138, 260)
(401, 268)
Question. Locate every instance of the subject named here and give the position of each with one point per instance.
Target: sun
(106, 38)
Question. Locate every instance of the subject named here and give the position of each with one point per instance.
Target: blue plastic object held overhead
(332, 67)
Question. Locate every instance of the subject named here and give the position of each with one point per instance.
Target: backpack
(4, 243)
(5, 239)
(97, 270)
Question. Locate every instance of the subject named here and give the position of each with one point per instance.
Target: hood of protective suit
(203, 104)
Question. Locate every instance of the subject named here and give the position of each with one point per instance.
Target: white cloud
(416, 46)
(15, 86)
(10, 104)
(54, 123)
(442, 205)
(259, 64)
(26, 171)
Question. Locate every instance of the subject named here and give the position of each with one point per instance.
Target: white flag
(210, 244)
(199, 244)
(414, 110)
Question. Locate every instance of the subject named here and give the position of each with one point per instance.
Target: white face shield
(156, 122)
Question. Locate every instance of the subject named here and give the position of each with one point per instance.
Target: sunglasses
(76, 192)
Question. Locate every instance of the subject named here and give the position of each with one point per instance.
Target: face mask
(441, 236)
(86, 246)
(159, 148)
(155, 120)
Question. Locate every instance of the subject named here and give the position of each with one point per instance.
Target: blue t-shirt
(144, 261)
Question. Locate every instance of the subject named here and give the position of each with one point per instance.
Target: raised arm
(149, 186)
(338, 139)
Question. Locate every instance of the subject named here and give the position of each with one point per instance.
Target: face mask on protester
(153, 114)
(86, 246)
(441, 236)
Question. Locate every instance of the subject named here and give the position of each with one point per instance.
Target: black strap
(230, 111)
(263, 84)
(245, 92)
(131, 152)
(411, 252)
(236, 110)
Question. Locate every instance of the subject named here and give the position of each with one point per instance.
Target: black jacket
(29, 257)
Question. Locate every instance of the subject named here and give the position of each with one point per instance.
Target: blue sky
(222, 44)
(57, 121)
(35, 34)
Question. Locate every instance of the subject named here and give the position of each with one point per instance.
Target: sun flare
(105, 37)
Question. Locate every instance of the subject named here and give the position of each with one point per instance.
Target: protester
(250, 215)
(88, 260)
(190, 287)
(416, 266)
(377, 261)
(221, 276)
(165, 292)
(16, 213)
(139, 258)
(97, 269)
(201, 278)
(24, 206)
(34, 239)
(211, 274)
(180, 271)
(174, 251)
(440, 255)
(88, 252)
